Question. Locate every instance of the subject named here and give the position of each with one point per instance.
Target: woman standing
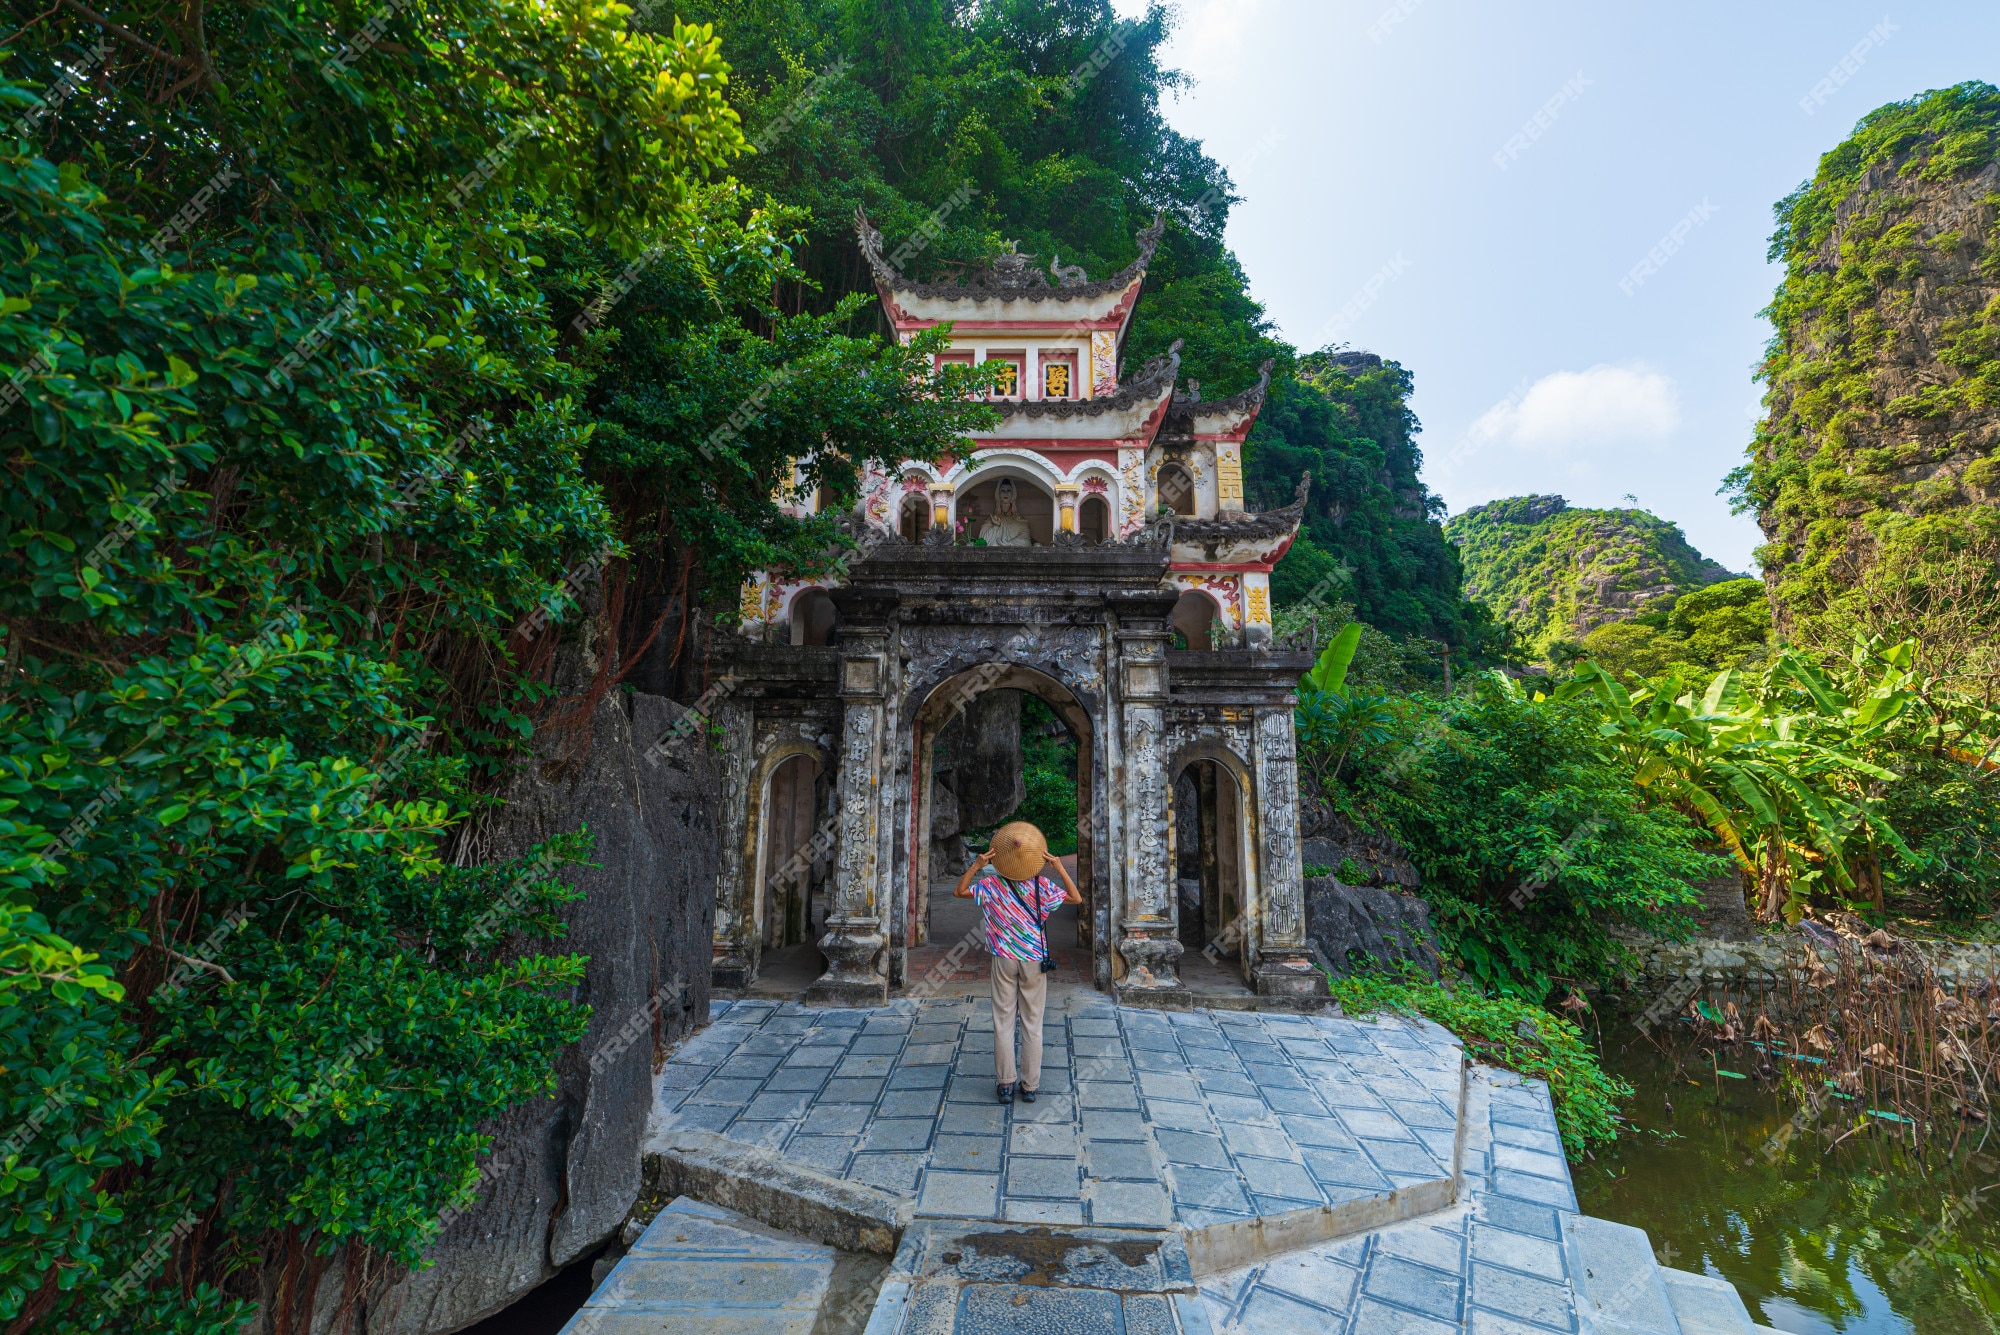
(1015, 896)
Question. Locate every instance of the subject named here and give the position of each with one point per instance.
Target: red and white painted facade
(1077, 435)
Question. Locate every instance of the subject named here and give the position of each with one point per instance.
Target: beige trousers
(1022, 982)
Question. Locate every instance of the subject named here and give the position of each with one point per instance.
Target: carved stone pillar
(1066, 507)
(855, 941)
(736, 943)
(1149, 936)
(941, 505)
(1284, 965)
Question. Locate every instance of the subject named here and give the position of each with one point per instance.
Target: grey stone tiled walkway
(1494, 1264)
(1206, 1154)
(1146, 1119)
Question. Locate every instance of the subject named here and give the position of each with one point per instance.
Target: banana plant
(1333, 723)
(1330, 672)
(1774, 763)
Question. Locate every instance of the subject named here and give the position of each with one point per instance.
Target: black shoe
(1027, 1095)
(1006, 1093)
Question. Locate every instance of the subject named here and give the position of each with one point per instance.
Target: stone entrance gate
(922, 628)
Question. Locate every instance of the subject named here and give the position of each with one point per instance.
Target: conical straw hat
(1018, 850)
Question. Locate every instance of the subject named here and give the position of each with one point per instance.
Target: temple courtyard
(821, 1171)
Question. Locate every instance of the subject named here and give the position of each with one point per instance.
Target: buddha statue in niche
(1006, 528)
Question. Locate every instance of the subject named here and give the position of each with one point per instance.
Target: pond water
(1809, 1232)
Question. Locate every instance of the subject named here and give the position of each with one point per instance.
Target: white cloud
(1605, 405)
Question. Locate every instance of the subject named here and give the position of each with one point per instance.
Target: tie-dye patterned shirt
(1004, 908)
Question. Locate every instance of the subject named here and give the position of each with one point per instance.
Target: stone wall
(1763, 961)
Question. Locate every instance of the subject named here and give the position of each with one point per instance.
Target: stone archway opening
(955, 713)
(1211, 851)
(1094, 519)
(785, 879)
(914, 518)
(813, 618)
(1195, 615)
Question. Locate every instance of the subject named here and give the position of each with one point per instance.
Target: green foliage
(1329, 673)
(1506, 1032)
(1554, 573)
(1529, 838)
(1883, 371)
(1048, 772)
(1332, 726)
(289, 484)
(1370, 526)
(1722, 625)
(1776, 764)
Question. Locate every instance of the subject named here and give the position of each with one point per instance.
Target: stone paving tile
(960, 1195)
(1188, 1148)
(1133, 1204)
(1042, 1177)
(1178, 1116)
(891, 1172)
(968, 1153)
(826, 1153)
(1312, 1278)
(1208, 1189)
(1045, 1138)
(1522, 1296)
(1118, 1159)
(1278, 1179)
(1268, 1310)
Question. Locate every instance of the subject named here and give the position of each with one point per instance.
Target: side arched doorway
(1212, 845)
(783, 899)
(947, 700)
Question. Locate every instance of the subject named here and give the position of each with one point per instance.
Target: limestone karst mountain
(1557, 573)
(1877, 467)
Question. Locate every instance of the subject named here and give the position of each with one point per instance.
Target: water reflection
(1810, 1232)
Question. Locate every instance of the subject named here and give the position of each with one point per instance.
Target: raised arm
(964, 889)
(1070, 895)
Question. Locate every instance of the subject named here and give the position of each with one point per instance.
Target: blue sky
(1472, 188)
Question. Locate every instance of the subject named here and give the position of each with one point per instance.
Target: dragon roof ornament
(1246, 400)
(1008, 275)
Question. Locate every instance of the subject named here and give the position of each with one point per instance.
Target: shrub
(1531, 839)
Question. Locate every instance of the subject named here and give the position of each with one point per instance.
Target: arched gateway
(920, 627)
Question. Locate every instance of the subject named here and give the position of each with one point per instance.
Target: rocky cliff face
(1557, 573)
(1883, 425)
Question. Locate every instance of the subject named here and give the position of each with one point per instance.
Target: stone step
(1707, 1305)
(702, 1270)
(1617, 1281)
(985, 1279)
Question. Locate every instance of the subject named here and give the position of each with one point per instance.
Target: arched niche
(913, 518)
(1093, 519)
(1034, 500)
(1195, 615)
(1212, 844)
(1175, 489)
(782, 903)
(813, 618)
